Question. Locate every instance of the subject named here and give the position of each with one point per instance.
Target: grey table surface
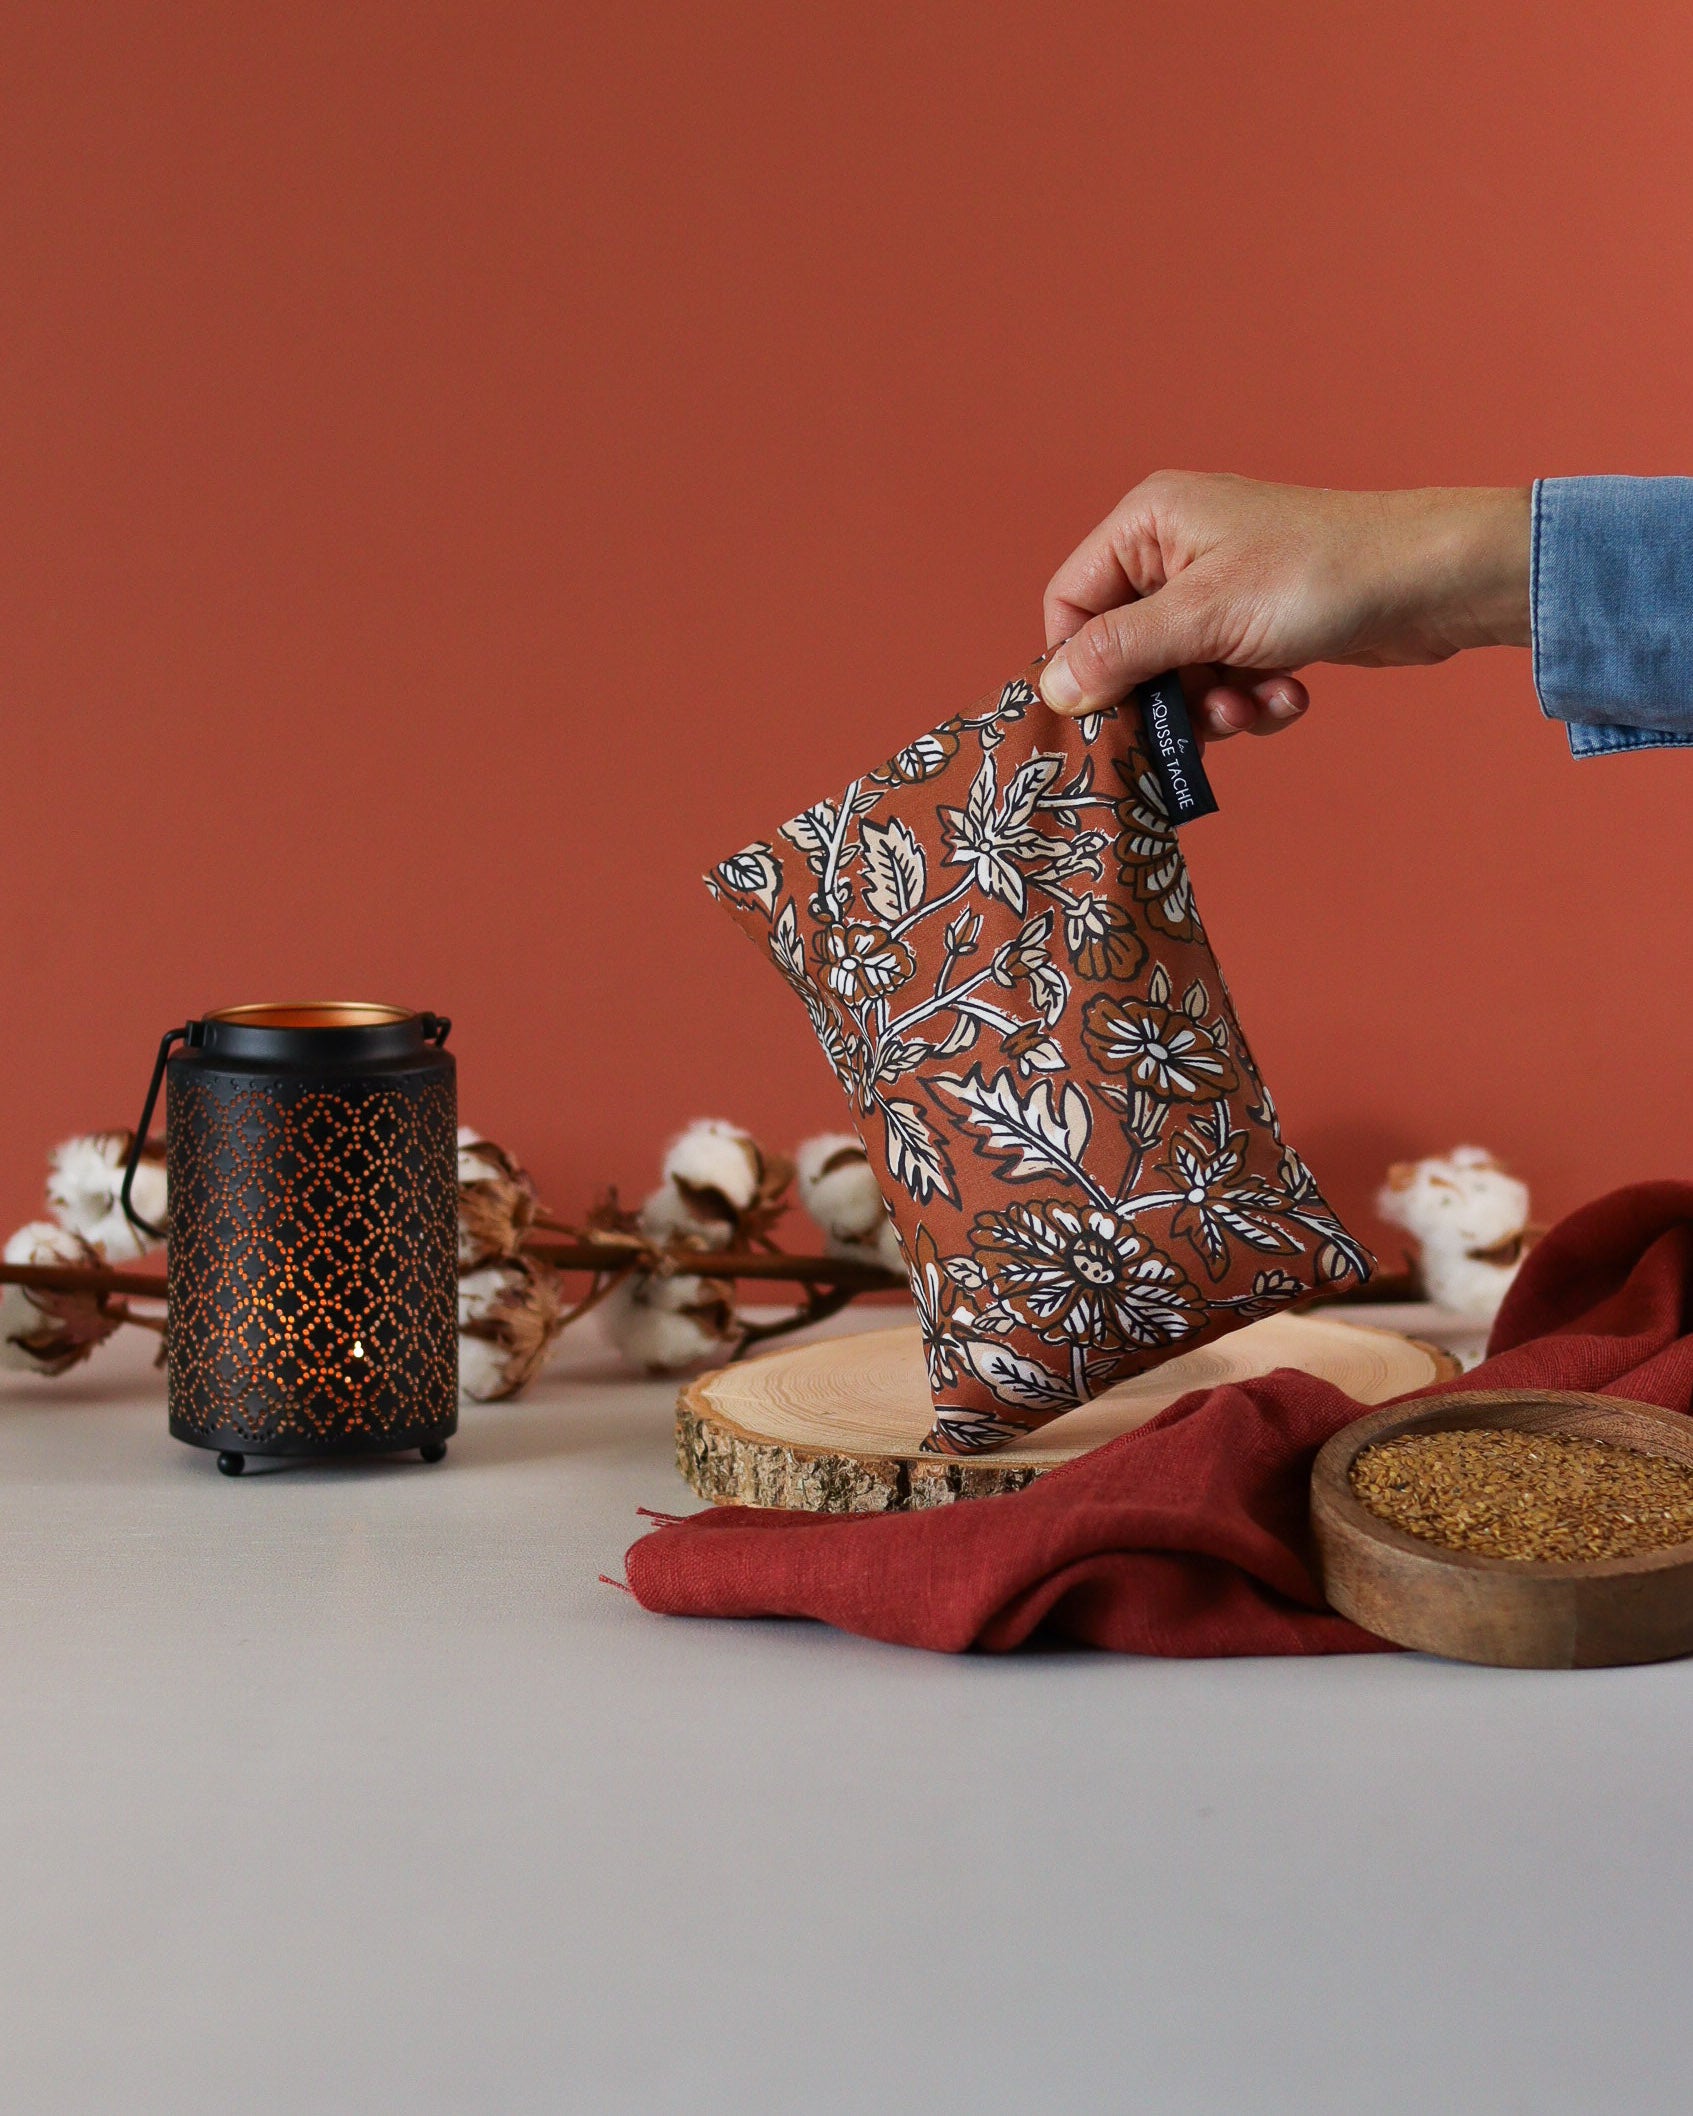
(355, 1790)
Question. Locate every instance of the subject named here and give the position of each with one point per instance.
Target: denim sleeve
(1612, 596)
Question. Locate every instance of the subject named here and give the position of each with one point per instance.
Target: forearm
(1241, 585)
(1252, 581)
(1462, 561)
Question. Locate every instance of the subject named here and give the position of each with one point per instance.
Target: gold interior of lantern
(314, 1014)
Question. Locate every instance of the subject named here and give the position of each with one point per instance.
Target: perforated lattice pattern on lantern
(312, 1259)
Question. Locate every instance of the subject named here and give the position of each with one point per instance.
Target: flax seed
(1513, 1494)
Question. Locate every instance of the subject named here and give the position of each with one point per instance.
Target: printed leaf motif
(895, 872)
(899, 1055)
(1024, 950)
(1147, 1114)
(1074, 859)
(979, 843)
(1063, 806)
(1049, 988)
(1028, 782)
(1037, 1134)
(786, 948)
(834, 1044)
(1341, 1257)
(812, 832)
(992, 836)
(1263, 1111)
(916, 1159)
(961, 1037)
(1034, 1050)
(753, 873)
(968, 1432)
(1018, 1381)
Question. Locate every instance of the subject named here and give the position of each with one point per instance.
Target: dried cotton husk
(510, 1311)
(48, 1333)
(665, 1323)
(497, 1201)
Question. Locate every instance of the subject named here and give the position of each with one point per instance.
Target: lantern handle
(190, 1032)
(436, 1028)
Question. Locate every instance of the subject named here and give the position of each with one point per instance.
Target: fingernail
(1283, 708)
(1058, 686)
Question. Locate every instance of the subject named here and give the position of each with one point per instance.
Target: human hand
(1237, 584)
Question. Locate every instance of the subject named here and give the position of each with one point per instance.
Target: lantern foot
(433, 1451)
(231, 1463)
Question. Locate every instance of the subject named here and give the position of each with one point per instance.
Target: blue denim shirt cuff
(1611, 586)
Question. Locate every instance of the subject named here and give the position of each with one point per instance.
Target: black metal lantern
(312, 1261)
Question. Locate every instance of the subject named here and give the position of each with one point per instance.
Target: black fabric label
(1175, 753)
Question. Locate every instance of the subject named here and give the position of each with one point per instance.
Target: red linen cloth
(1191, 1536)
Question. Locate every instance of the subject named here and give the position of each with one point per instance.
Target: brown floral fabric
(996, 940)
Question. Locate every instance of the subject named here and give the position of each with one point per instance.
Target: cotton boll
(46, 1242)
(509, 1314)
(838, 1187)
(496, 1204)
(718, 1168)
(478, 1291)
(667, 1323)
(48, 1333)
(717, 1156)
(1470, 1222)
(683, 1218)
(483, 1369)
(882, 1248)
(1462, 1200)
(887, 1250)
(721, 1190)
(85, 1185)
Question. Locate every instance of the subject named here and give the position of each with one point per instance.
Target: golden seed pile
(1527, 1495)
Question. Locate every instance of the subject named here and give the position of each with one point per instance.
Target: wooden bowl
(1506, 1612)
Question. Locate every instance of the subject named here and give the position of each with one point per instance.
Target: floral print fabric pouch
(995, 938)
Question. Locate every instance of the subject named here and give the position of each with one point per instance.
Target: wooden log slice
(837, 1426)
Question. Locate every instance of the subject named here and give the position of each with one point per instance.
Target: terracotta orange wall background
(468, 467)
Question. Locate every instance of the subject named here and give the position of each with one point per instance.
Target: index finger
(1090, 580)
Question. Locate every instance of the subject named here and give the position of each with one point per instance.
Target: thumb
(1119, 648)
